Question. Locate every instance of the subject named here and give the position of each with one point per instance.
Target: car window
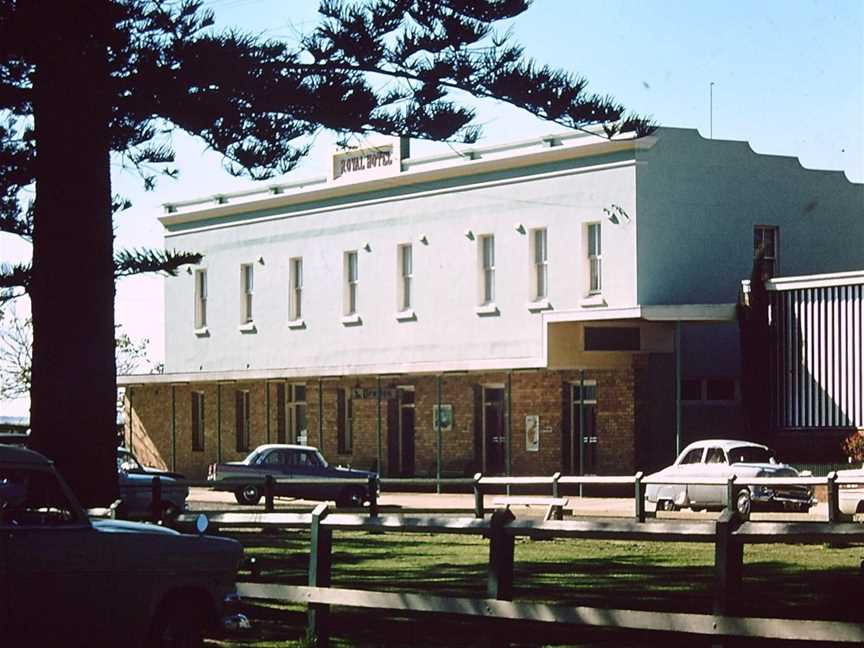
(715, 456)
(274, 458)
(751, 454)
(31, 497)
(692, 457)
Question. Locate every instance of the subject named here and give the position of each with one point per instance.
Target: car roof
(16, 455)
(725, 444)
(283, 446)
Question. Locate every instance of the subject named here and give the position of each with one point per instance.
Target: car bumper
(774, 498)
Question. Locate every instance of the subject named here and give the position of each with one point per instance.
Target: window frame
(295, 289)
(247, 291)
(594, 257)
(539, 263)
(351, 274)
(486, 260)
(759, 237)
(406, 276)
(200, 289)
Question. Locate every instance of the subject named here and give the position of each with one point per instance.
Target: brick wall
(540, 393)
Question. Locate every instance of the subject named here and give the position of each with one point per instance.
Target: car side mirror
(201, 524)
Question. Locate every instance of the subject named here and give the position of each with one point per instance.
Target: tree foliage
(84, 80)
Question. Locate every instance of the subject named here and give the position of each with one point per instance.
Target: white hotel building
(565, 303)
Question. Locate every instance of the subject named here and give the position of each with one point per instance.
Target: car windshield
(751, 454)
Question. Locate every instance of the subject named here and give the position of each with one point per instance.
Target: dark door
(583, 425)
(406, 431)
(494, 435)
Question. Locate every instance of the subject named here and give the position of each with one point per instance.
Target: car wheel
(176, 627)
(743, 503)
(351, 498)
(248, 495)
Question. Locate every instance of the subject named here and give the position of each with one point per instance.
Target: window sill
(406, 315)
(593, 300)
(297, 324)
(487, 310)
(248, 327)
(202, 332)
(351, 320)
(539, 305)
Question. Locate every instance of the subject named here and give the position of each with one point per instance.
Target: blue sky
(788, 77)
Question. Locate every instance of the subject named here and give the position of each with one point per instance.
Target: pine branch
(140, 261)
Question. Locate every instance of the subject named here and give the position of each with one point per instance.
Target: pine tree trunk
(73, 390)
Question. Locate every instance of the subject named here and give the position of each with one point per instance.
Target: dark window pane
(720, 389)
(691, 389)
(611, 339)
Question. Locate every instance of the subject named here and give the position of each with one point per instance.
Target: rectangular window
(242, 420)
(765, 239)
(295, 410)
(487, 264)
(200, 299)
(197, 420)
(406, 274)
(540, 263)
(246, 285)
(351, 279)
(595, 259)
(612, 339)
(344, 415)
(295, 297)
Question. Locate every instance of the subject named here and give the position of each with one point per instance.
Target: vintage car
(717, 459)
(285, 462)
(67, 580)
(136, 489)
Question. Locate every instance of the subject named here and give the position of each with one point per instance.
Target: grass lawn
(804, 581)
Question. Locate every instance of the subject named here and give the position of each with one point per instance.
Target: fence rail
(729, 533)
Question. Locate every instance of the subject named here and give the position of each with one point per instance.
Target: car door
(714, 465)
(690, 466)
(54, 566)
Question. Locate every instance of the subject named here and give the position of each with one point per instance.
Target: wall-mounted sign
(442, 416)
(532, 433)
(380, 158)
(361, 393)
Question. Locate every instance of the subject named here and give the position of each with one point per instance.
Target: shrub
(853, 446)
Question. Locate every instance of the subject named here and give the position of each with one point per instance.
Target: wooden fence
(729, 533)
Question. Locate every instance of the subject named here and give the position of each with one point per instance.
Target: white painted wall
(446, 274)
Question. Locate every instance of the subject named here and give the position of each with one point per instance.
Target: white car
(717, 459)
(851, 495)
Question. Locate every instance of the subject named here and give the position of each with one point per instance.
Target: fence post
(268, 494)
(156, 499)
(728, 562)
(833, 496)
(320, 570)
(479, 512)
(730, 492)
(639, 494)
(373, 496)
(500, 581)
(556, 487)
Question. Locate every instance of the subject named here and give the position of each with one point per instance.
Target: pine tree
(81, 80)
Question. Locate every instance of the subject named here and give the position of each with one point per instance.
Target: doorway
(493, 430)
(582, 449)
(400, 437)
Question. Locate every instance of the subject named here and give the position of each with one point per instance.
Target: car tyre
(743, 503)
(351, 498)
(176, 627)
(249, 494)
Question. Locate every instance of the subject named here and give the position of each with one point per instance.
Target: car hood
(123, 526)
(769, 469)
(352, 473)
(142, 478)
(161, 473)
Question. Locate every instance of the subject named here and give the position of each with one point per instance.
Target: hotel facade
(561, 304)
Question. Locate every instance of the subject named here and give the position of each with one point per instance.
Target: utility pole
(711, 110)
